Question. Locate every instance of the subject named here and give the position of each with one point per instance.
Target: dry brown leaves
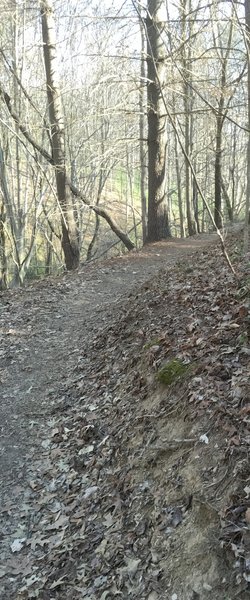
(101, 518)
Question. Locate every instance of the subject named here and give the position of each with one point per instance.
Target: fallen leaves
(17, 545)
(110, 510)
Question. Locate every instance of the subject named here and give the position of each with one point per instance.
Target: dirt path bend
(40, 328)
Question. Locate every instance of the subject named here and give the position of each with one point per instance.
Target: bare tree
(158, 225)
(143, 129)
(223, 50)
(188, 100)
(247, 208)
(70, 242)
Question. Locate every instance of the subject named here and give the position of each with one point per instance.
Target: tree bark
(179, 189)
(223, 55)
(186, 51)
(70, 242)
(247, 207)
(142, 128)
(227, 201)
(115, 228)
(3, 254)
(217, 169)
(158, 225)
(195, 203)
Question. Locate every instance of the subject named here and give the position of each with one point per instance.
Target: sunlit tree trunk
(158, 226)
(223, 48)
(247, 208)
(187, 101)
(143, 131)
(70, 242)
(3, 254)
(179, 190)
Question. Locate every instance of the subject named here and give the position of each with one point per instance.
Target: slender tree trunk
(218, 173)
(190, 220)
(247, 207)
(179, 190)
(227, 201)
(187, 101)
(223, 47)
(195, 202)
(94, 238)
(3, 255)
(232, 169)
(70, 242)
(9, 209)
(97, 221)
(158, 225)
(142, 128)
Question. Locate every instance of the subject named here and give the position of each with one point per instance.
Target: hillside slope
(131, 476)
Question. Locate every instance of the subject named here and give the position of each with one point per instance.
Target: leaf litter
(141, 490)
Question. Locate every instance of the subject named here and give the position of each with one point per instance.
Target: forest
(125, 300)
(121, 123)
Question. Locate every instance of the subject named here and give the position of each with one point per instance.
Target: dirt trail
(42, 328)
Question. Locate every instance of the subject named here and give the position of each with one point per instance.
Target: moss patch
(171, 371)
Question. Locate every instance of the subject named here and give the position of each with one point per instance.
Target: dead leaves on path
(111, 503)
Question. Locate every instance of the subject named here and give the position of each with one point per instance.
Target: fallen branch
(105, 215)
(112, 245)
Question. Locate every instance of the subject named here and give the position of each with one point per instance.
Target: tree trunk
(142, 127)
(247, 207)
(158, 225)
(179, 190)
(195, 197)
(218, 174)
(187, 105)
(227, 201)
(3, 254)
(70, 242)
(223, 47)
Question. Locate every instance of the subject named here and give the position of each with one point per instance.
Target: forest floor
(115, 484)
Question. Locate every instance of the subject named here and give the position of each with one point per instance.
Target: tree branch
(77, 193)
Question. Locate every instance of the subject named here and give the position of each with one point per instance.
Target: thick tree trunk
(70, 243)
(158, 226)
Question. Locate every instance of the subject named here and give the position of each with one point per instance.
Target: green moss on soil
(171, 371)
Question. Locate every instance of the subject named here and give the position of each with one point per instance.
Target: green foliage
(171, 371)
